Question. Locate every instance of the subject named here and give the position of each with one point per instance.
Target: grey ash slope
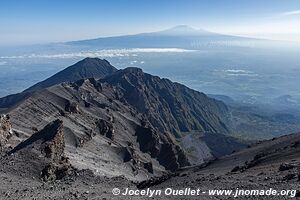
(102, 133)
(86, 68)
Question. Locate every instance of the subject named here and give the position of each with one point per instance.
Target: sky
(42, 21)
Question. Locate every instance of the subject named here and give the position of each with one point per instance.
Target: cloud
(237, 73)
(292, 12)
(133, 62)
(102, 53)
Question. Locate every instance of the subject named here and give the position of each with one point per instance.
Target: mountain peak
(90, 61)
(184, 30)
(84, 69)
(182, 27)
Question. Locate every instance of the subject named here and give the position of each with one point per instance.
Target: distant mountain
(184, 30)
(177, 37)
(226, 99)
(86, 68)
(287, 101)
(260, 121)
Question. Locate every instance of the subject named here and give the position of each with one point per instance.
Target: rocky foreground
(272, 164)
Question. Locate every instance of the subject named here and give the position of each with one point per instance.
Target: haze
(32, 21)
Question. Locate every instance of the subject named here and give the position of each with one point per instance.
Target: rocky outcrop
(172, 157)
(148, 140)
(159, 146)
(72, 107)
(53, 172)
(105, 128)
(54, 143)
(162, 147)
(53, 149)
(51, 143)
(138, 163)
(5, 130)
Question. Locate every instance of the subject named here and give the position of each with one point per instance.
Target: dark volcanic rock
(286, 166)
(5, 130)
(54, 144)
(105, 128)
(54, 171)
(72, 107)
(172, 157)
(289, 177)
(162, 147)
(148, 140)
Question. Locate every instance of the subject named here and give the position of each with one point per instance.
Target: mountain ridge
(135, 118)
(142, 90)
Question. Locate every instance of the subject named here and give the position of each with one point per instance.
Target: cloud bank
(107, 53)
(239, 72)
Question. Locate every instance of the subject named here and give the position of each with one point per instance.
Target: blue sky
(33, 21)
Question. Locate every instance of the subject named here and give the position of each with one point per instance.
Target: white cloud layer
(288, 13)
(106, 53)
(239, 72)
(236, 73)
